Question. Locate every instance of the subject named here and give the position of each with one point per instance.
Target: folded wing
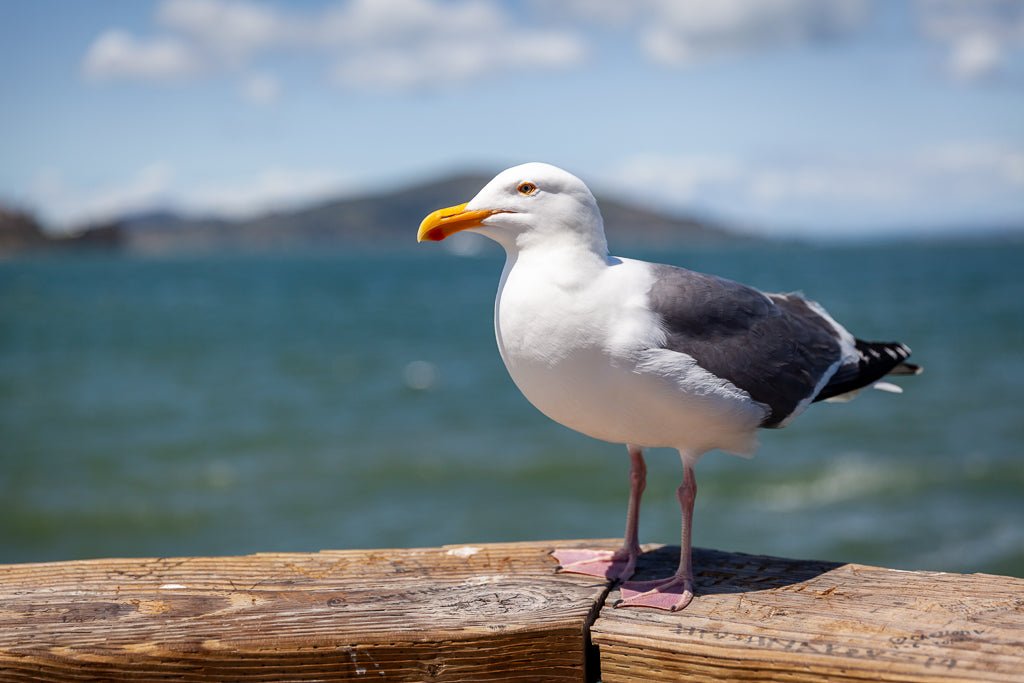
(782, 349)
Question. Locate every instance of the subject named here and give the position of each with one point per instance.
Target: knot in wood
(493, 601)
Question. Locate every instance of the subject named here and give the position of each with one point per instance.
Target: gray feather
(773, 346)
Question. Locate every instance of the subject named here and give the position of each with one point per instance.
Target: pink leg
(675, 592)
(620, 564)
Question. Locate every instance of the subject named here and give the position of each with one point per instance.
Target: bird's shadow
(719, 572)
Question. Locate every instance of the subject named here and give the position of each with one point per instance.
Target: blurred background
(218, 336)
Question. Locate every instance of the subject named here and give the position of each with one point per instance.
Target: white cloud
(376, 44)
(925, 186)
(272, 189)
(842, 184)
(395, 44)
(684, 179)
(230, 29)
(154, 187)
(68, 207)
(260, 88)
(976, 164)
(979, 35)
(682, 32)
(974, 57)
(439, 63)
(200, 37)
(116, 54)
(395, 21)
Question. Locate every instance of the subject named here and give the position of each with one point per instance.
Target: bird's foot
(605, 564)
(672, 594)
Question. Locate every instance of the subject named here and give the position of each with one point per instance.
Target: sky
(785, 117)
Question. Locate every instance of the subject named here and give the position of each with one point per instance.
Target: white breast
(582, 346)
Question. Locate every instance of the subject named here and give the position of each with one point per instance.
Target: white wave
(845, 478)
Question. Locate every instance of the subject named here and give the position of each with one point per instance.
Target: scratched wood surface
(763, 618)
(460, 613)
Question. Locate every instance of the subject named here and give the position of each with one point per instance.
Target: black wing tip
(872, 352)
(877, 359)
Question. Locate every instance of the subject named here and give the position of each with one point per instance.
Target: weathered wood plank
(498, 612)
(464, 613)
(768, 619)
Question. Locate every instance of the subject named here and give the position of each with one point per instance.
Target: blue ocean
(159, 406)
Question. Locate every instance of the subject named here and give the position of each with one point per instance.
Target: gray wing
(773, 346)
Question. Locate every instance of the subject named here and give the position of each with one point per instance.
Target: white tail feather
(887, 387)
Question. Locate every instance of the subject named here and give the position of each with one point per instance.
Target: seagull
(648, 355)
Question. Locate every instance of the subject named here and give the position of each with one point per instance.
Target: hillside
(387, 220)
(19, 231)
(380, 220)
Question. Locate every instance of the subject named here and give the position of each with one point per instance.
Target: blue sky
(805, 117)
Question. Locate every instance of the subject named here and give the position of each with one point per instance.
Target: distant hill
(19, 231)
(384, 219)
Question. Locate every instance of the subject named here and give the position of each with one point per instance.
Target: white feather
(887, 387)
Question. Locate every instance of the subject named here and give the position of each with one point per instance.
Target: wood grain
(493, 612)
(463, 613)
(769, 619)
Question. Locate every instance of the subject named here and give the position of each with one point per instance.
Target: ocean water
(234, 404)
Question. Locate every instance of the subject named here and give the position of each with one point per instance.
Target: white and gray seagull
(648, 355)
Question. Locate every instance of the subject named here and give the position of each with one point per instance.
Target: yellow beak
(445, 222)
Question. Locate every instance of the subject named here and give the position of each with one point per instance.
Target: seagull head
(529, 205)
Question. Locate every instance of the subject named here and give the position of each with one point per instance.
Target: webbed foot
(672, 594)
(618, 565)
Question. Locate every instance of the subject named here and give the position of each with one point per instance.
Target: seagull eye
(526, 188)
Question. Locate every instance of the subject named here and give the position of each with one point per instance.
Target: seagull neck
(581, 258)
(570, 244)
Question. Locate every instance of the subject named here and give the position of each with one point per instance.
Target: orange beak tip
(432, 235)
(444, 222)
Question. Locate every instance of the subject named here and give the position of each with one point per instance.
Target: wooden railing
(498, 612)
